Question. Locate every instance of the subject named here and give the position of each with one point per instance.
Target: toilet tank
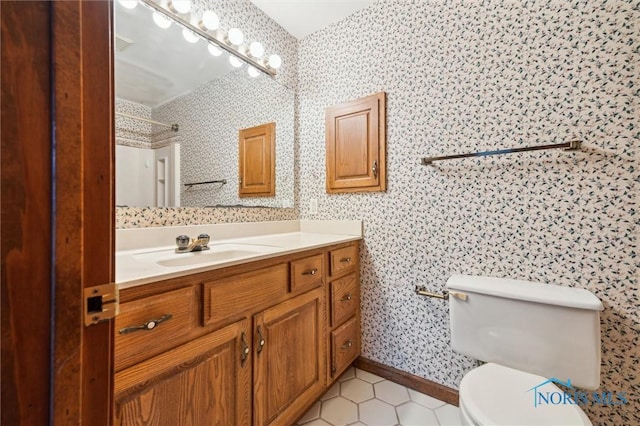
(544, 329)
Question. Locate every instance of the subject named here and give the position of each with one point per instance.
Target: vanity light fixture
(235, 36)
(180, 6)
(256, 49)
(129, 4)
(275, 61)
(161, 20)
(237, 63)
(207, 28)
(253, 72)
(190, 36)
(214, 50)
(209, 21)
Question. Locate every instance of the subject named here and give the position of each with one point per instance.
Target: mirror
(179, 111)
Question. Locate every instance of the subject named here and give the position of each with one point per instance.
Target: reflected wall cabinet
(257, 161)
(355, 138)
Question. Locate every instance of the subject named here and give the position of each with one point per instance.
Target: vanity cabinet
(290, 365)
(247, 344)
(344, 309)
(206, 381)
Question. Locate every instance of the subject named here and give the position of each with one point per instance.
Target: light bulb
(210, 21)
(253, 72)
(161, 20)
(190, 36)
(129, 4)
(214, 50)
(235, 61)
(180, 6)
(256, 49)
(275, 61)
(235, 36)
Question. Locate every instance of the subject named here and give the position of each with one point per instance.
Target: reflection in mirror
(163, 78)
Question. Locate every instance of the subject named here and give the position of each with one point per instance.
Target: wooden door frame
(68, 191)
(84, 208)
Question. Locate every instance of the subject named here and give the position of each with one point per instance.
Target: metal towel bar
(572, 145)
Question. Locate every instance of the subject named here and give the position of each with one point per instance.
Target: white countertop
(147, 264)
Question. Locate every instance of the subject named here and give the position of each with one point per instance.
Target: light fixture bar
(208, 37)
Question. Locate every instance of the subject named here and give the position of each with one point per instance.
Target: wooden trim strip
(427, 387)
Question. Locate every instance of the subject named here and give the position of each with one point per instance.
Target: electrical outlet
(313, 206)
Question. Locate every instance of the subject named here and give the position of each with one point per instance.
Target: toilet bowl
(531, 335)
(496, 395)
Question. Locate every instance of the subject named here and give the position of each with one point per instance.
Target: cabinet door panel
(290, 366)
(257, 161)
(201, 382)
(355, 145)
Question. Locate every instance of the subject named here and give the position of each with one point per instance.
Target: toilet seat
(497, 395)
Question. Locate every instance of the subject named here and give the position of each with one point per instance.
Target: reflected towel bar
(572, 145)
(222, 181)
(173, 127)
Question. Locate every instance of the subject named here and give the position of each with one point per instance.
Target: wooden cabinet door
(355, 142)
(204, 382)
(257, 161)
(289, 358)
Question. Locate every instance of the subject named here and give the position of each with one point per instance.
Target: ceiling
(303, 17)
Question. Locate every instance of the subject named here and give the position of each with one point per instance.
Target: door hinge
(101, 303)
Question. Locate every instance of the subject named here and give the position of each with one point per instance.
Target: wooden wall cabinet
(245, 345)
(257, 164)
(355, 145)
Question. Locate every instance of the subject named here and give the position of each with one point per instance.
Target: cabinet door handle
(149, 325)
(347, 344)
(374, 169)
(346, 297)
(345, 260)
(245, 349)
(261, 342)
(310, 272)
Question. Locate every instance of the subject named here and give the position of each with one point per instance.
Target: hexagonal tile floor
(362, 398)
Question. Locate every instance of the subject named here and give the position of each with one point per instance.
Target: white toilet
(527, 333)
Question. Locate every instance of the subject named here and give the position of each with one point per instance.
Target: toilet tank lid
(550, 294)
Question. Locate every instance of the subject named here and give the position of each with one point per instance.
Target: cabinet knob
(346, 297)
(374, 169)
(261, 342)
(348, 344)
(345, 260)
(149, 325)
(310, 272)
(245, 349)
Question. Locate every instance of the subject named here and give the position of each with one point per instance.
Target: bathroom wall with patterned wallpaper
(255, 25)
(467, 76)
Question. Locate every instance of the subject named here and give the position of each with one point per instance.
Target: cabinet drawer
(307, 273)
(169, 318)
(230, 299)
(345, 346)
(343, 259)
(345, 298)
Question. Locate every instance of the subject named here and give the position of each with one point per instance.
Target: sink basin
(217, 253)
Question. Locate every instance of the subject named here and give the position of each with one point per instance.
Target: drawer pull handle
(348, 344)
(245, 350)
(261, 342)
(345, 260)
(310, 272)
(346, 297)
(149, 325)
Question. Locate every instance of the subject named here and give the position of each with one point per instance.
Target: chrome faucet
(187, 245)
